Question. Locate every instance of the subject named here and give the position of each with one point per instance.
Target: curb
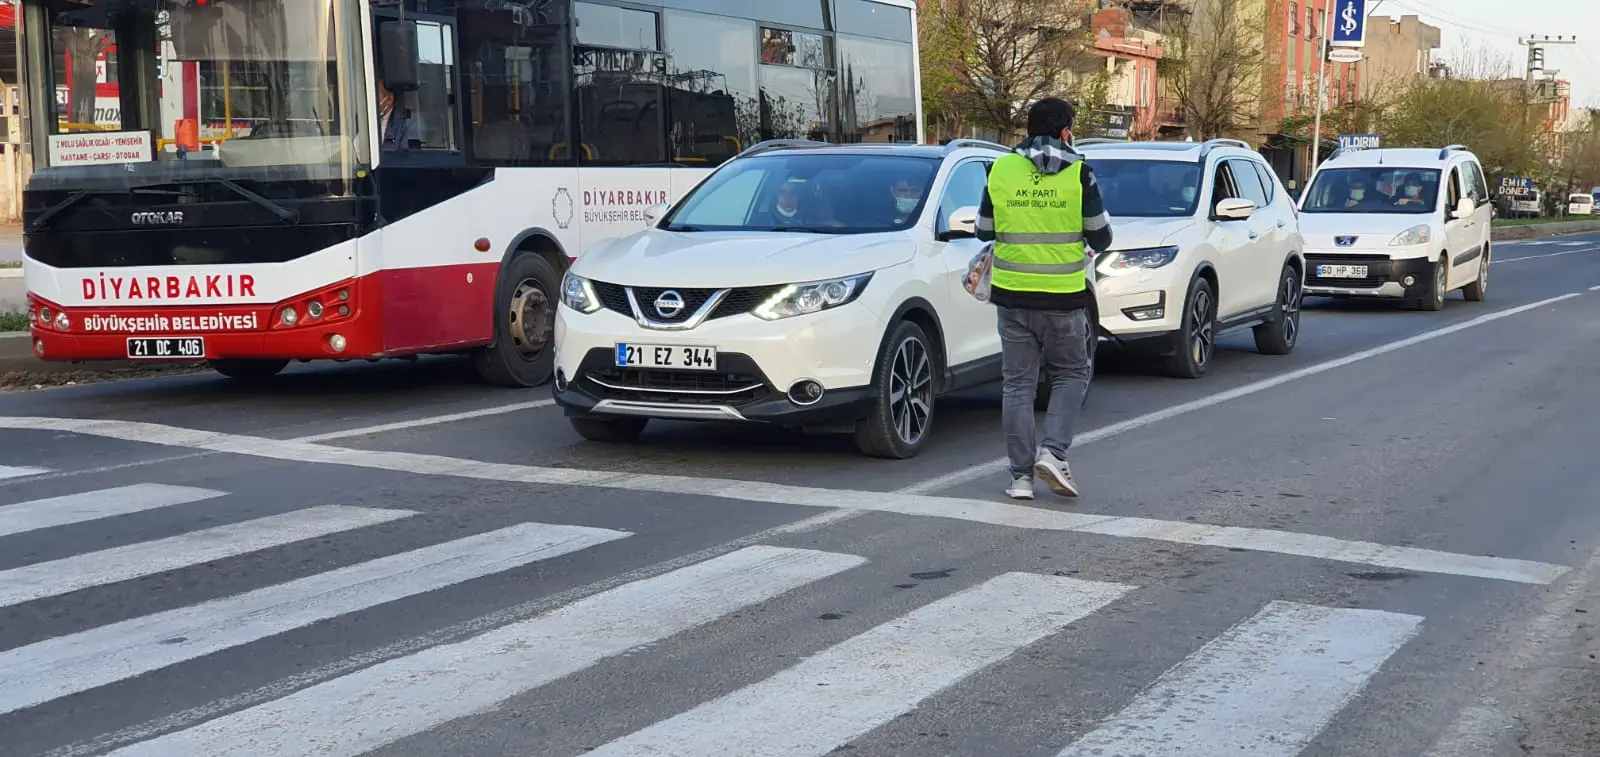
(10, 273)
(1542, 230)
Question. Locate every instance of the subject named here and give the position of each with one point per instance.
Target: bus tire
(523, 351)
(248, 369)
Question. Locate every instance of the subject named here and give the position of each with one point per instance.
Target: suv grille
(687, 387)
(740, 300)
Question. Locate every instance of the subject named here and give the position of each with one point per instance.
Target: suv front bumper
(1408, 278)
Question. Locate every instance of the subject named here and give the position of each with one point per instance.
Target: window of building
(518, 75)
(618, 73)
(799, 94)
(1294, 19)
(876, 99)
(1311, 22)
(711, 87)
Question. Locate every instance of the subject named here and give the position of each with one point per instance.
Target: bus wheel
(522, 353)
(247, 369)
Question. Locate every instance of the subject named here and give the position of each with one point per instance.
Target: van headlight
(577, 293)
(1419, 234)
(1119, 262)
(812, 297)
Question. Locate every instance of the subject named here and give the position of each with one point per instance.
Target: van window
(1376, 189)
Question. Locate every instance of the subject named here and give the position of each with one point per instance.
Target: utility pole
(1322, 83)
(1536, 47)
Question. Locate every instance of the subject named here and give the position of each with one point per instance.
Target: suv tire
(1278, 336)
(1197, 334)
(903, 393)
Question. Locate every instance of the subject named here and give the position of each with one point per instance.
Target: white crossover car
(1402, 223)
(800, 284)
(1205, 241)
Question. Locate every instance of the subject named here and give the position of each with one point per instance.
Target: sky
(1494, 26)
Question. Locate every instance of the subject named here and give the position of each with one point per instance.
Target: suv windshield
(803, 191)
(1147, 188)
(1378, 189)
(151, 91)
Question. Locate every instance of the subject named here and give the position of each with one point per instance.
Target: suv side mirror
(397, 41)
(1234, 209)
(962, 224)
(1464, 208)
(654, 213)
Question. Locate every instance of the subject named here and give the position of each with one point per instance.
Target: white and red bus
(277, 180)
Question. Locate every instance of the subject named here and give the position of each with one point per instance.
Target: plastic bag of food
(980, 273)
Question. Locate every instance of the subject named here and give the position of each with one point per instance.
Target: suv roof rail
(956, 144)
(1445, 153)
(1098, 141)
(773, 144)
(1211, 144)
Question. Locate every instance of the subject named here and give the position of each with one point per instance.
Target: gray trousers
(1059, 340)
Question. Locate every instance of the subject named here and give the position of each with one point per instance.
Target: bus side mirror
(397, 42)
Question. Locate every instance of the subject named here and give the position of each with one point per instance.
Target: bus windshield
(154, 91)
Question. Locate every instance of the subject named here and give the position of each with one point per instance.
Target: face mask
(905, 204)
(1356, 194)
(1413, 191)
(787, 213)
(1188, 194)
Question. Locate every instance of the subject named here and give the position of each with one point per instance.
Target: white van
(1403, 223)
(1580, 204)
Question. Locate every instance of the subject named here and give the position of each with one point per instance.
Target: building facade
(1294, 36)
(1398, 51)
(1132, 55)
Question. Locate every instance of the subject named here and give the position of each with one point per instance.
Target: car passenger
(907, 195)
(1410, 191)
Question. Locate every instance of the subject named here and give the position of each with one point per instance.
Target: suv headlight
(1419, 234)
(577, 293)
(1119, 262)
(812, 297)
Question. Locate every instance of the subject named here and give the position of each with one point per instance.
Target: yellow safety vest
(1038, 227)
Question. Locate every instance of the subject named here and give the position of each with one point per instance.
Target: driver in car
(907, 194)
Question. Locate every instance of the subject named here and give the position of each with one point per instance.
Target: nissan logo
(149, 217)
(669, 304)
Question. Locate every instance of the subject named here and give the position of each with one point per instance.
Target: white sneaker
(1020, 488)
(1056, 474)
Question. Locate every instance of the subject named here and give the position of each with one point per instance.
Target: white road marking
(860, 684)
(502, 617)
(11, 471)
(1498, 261)
(974, 510)
(66, 665)
(103, 503)
(432, 420)
(1265, 688)
(378, 705)
(997, 466)
(48, 579)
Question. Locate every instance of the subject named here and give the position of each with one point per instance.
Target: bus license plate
(1341, 271)
(663, 356)
(167, 348)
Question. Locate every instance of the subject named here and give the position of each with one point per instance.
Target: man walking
(1041, 206)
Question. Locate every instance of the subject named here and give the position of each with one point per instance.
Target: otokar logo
(157, 217)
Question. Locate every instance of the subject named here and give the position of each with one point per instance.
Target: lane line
(366, 710)
(11, 471)
(65, 665)
(1545, 255)
(997, 466)
(1265, 688)
(431, 420)
(447, 635)
(867, 681)
(48, 579)
(972, 510)
(102, 503)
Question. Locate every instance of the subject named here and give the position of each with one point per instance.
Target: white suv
(1206, 241)
(1403, 223)
(800, 284)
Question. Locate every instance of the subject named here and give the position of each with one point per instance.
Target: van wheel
(903, 396)
(1197, 336)
(1278, 337)
(1041, 396)
(247, 370)
(1479, 287)
(523, 352)
(1435, 299)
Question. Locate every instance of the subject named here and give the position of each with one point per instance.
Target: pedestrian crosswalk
(1264, 687)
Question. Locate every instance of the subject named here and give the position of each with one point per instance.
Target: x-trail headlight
(812, 297)
(1419, 234)
(577, 293)
(1119, 262)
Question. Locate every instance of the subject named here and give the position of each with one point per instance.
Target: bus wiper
(284, 214)
(50, 212)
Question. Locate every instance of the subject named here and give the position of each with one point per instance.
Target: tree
(1213, 67)
(985, 62)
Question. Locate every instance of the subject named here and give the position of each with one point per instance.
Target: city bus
(255, 182)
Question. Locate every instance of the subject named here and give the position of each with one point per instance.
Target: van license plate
(1341, 271)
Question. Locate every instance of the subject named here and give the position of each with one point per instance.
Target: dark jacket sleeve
(1096, 223)
(986, 213)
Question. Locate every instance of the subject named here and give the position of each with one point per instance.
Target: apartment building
(1294, 35)
(1398, 51)
(1132, 56)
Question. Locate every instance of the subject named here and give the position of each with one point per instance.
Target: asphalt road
(1380, 546)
